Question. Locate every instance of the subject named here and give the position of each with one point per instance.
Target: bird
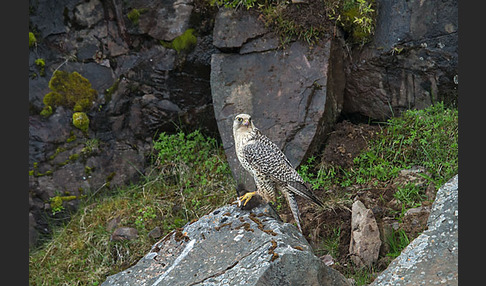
(269, 167)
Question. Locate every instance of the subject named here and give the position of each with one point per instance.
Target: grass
(314, 20)
(427, 138)
(397, 241)
(190, 177)
(330, 245)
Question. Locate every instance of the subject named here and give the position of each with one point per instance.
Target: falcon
(268, 166)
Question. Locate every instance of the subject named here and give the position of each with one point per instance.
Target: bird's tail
(301, 190)
(293, 207)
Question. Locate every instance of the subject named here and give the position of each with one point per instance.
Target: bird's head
(243, 123)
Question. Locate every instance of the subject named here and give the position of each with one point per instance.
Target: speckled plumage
(268, 165)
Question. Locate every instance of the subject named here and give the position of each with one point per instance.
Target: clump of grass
(330, 245)
(311, 21)
(397, 241)
(356, 17)
(410, 195)
(190, 177)
(427, 138)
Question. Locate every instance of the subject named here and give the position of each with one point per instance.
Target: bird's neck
(242, 137)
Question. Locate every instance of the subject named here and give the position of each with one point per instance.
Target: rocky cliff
(163, 65)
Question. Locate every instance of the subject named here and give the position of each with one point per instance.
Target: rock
(231, 246)
(165, 20)
(87, 14)
(414, 221)
(113, 223)
(431, 258)
(416, 175)
(233, 28)
(293, 95)
(364, 247)
(155, 233)
(124, 233)
(33, 234)
(412, 61)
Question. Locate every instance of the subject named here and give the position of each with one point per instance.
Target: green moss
(57, 203)
(46, 111)
(47, 173)
(57, 152)
(53, 99)
(71, 90)
(88, 170)
(185, 42)
(41, 64)
(134, 16)
(71, 138)
(32, 40)
(81, 121)
(109, 91)
(110, 176)
(73, 157)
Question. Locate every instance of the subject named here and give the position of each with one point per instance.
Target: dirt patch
(346, 142)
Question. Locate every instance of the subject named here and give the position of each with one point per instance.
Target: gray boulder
(412, 61)
(431, 258)
(294, 95)
(231, 246)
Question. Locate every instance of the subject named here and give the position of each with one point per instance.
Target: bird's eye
(239, 119)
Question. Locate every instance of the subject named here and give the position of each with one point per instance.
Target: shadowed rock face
(431, 258)
(231, 246)
(412, 61)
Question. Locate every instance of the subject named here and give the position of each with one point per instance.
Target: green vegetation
(71, 90)
(185, 42)
(397, 241)
(41, 64)
(313, 20)
(356, 17)
(81, 121)
(190, 177)
(330, 245)
(57, 203)
(134, 16)
(32, 40)
(427, 138)
(236, 3)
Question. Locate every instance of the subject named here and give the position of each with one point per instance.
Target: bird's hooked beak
(246, 122)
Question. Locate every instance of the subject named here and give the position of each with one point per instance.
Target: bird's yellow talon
(246, 197)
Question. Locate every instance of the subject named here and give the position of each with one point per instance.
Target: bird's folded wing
(271, 161)
(268, 159)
